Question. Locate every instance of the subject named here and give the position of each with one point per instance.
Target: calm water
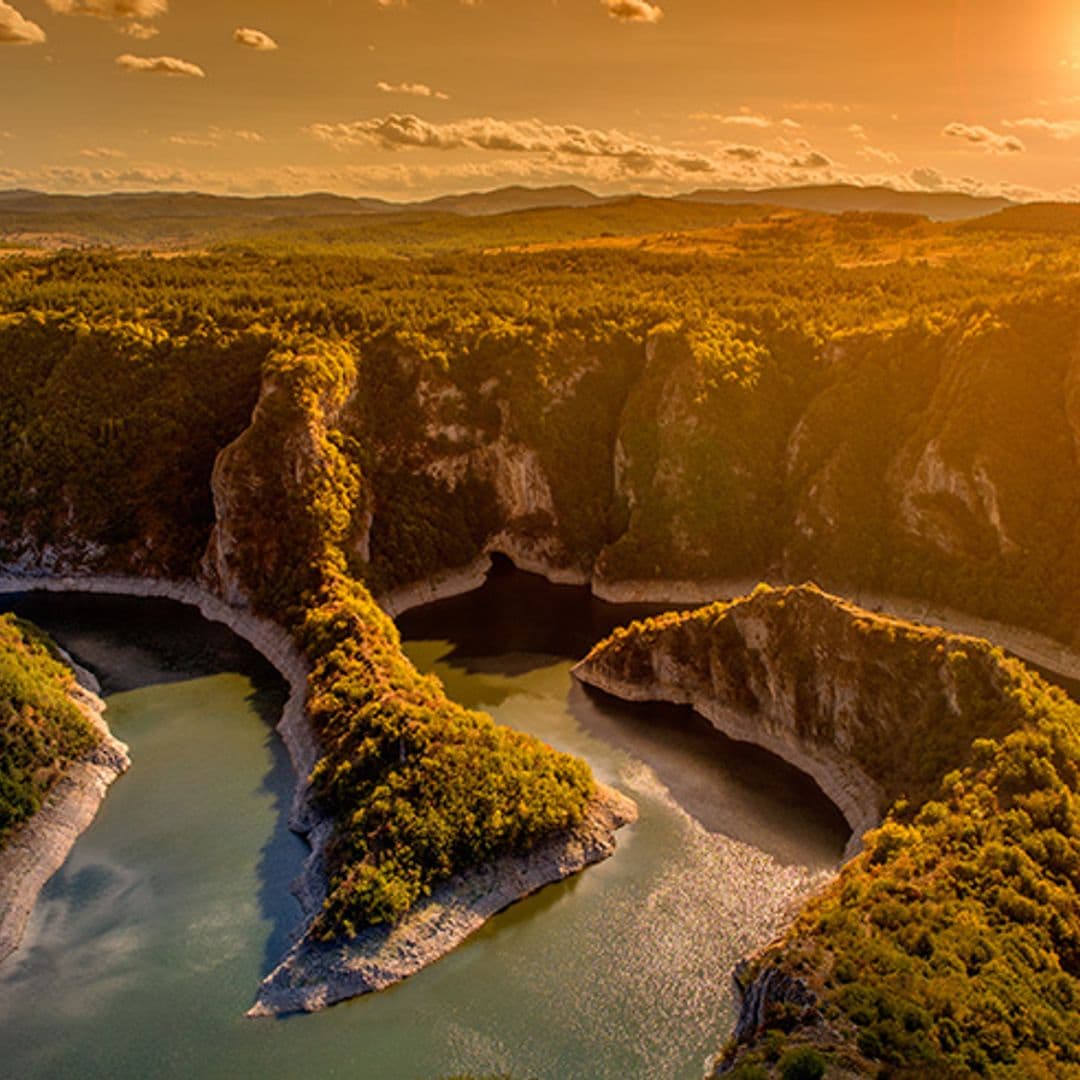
(145, 949)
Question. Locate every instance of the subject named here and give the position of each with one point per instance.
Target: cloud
(990, 141)
(928, 179)
(812, 160)
(409, 178)
(520, 136)
(637, 11)
(877, 153)
(555, 153)
(415, 89)
(111, 9)
(138, 30)
(215, 136)
(746, 118)
(806, 105)
(1061, 130)
(16, 29)
(160, 65)
(254, 39)
(99, 153)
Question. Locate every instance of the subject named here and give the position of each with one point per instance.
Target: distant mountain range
(844, 198)
(832, 199)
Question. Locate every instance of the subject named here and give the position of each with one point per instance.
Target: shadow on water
(522, 618)
(517, 623)
(130, 643)
(733, 788)
(284, 851)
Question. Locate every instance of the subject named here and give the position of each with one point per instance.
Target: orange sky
(407, 99)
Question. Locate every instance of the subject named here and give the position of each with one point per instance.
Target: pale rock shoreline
(39, 847)
(857, 797)
(313, 975)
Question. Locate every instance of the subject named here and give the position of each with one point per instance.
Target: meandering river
(145, 949)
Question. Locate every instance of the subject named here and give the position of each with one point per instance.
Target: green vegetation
(423, 788)
(951, 945)
(41, 730)
(705, 392)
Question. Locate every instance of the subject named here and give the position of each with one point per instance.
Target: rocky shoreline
(39, 847)
(316, 974)
(857, 797)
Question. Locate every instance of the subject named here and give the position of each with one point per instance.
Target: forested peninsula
(872, 401)
(949, 945)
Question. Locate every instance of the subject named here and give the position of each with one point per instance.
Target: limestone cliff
(871, 707)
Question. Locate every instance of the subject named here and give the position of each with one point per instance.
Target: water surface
(146, 947)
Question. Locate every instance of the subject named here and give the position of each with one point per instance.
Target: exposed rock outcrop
(867, 705)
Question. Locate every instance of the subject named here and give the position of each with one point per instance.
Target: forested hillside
(872, 401)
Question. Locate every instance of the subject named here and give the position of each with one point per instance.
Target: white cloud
(111, 9)
(413, 89)
(522, 136)
(160, 65)
(747, 118)
(808, 105)
(99, 153)
(876, 153)
(990, 141)
(566, 153)
(637, 11)
(409, 179)
(1062, 130)
(215, 136)
(254, 39)
(139, 31)
(16, 29)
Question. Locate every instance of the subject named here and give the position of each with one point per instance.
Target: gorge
(316, 442)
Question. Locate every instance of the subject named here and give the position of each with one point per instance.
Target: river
(145, 948)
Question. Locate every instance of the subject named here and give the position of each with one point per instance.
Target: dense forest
(42, 731)
(871, 400)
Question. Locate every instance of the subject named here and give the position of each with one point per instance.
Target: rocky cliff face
(872, 707)
(933, 461)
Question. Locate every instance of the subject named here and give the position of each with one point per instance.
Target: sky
(404, 99)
